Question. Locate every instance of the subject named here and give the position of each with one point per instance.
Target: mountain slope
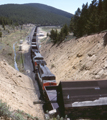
(28, 14)
(51, 9)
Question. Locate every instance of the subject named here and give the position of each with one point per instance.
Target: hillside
(81, 59)
(51, 9)
(27, 14)
(18, 90)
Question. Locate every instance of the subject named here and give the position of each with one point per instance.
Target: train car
(37, 56)
(78, 99)
(33, 53)
(37, 59)
(33, 43)
(34, 49)
(34, 34)
(36, 28)
(83, 99)
(45, 77)
(51, 103)
(34, 39)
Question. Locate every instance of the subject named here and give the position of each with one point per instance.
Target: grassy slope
(6, 42)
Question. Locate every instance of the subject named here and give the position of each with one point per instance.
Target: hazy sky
(66, 5)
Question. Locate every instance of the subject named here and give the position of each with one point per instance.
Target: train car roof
(38, 55)
(41, 62)
(46, 73)
(34, 45)
(34, 37)
(35, 50)
(82, 93)
(34, 42)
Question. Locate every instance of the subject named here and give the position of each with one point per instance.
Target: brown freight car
(83, 99)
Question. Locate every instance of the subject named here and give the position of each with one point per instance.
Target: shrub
(4, 110)
(52, 66)
(83, 68)
(6, 114)
(18, 116)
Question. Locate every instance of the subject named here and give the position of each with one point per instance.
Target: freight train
(77, 99)
(42, 72)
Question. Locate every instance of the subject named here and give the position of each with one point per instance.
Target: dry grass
(10, 36)
(6, 114)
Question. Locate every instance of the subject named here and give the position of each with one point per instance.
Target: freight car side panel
(51, 95)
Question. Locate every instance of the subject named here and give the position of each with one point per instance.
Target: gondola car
(45, 77)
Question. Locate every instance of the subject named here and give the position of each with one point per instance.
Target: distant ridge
(30, 13)
(51, 9)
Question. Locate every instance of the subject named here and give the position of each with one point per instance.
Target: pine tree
(71, 26)
(3, 25)
(100, 6)
(105, 5)
(0, 34)
(65, 30)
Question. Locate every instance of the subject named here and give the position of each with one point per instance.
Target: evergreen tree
(90, 19)
(100, 6)
(65, 30)
(59, 37)
(0, 34)
(71, 26)
(47, 34)
(105, 5)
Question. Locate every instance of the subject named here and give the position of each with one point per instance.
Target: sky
(66, 5)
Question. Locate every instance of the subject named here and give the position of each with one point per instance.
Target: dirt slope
(81, 59)
(17, 90)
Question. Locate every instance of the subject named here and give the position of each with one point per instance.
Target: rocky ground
(77, 59)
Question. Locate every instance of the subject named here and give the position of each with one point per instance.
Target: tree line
(4, 21)
(90, 19)
(24, 14)
(58, 37)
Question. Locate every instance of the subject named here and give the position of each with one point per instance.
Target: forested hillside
(21, 14)
(90, 19)
(51, 9)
